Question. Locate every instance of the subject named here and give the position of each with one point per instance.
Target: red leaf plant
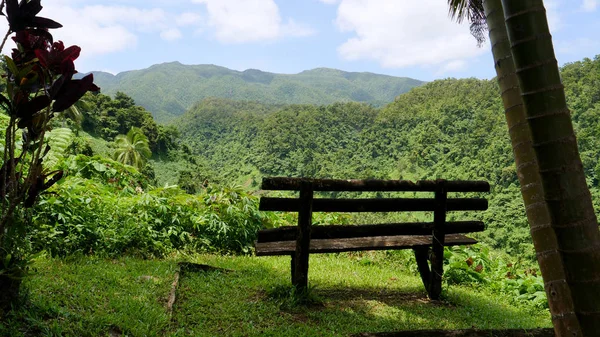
(39, 83)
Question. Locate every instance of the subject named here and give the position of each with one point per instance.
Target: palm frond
(132, 149)
(472, 10)
(59, 140)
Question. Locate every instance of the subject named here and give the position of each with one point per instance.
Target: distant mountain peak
(322, 70)
(169, 89)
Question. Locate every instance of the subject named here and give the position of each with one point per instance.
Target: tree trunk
(525, 159)
(559, 206)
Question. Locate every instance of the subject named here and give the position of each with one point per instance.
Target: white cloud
(239, 21)
(138, 19)
(400, 34)
(95, 34)
(329, 2)
(188, 19)
(171, 34)
(103, 29)
(589, 5)
(292, 28)
(454, 66)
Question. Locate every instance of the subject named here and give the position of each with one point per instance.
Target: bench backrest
(439, 204)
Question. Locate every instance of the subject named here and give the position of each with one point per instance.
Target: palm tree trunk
(558, 202)
(525, 159)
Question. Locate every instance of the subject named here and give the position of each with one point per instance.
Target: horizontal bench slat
(289, 233)
(373, 205)
(293, 184)
(359, 244)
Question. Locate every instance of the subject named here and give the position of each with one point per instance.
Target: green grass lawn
(102, 297)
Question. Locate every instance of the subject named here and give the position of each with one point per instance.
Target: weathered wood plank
(359, 244)
(464, 333)
(437, 247)
(300, 270)
(373, 205)
(354, 231)
(293, 184)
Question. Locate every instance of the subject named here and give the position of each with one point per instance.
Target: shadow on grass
(239, 303)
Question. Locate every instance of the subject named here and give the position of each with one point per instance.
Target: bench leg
(437, 245)
(300, 270)
(437, 269)
(421, 255)
(300, 276)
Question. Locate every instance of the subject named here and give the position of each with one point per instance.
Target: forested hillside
(448, 127)
(451, 129)
(169, 89)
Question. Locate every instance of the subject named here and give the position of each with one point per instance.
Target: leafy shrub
(102, 207)
(462, 265)
(477, 265)
(529, 289)
(229, 219)
(105, 171)
(80, 145)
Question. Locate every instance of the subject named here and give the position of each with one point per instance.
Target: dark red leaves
(42, 55)
(59, 60)
(40, 22)
(33, 106)
(69, 54)
(39, 73)
(33, 39)
(30, 40)
(27, 109)
(71, 91)
(27, 113)
(56, 85)
(23, 15)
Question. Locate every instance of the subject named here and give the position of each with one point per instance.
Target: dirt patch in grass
(383, 295)
(197, 267)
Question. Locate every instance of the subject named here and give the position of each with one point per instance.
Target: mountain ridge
(171, 88)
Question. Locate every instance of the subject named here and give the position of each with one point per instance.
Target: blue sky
(396, 37)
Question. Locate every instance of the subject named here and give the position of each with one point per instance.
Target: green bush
(104, 171)
(477, 265)
(103, 207)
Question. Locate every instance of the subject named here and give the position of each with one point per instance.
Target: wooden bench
(427, 239)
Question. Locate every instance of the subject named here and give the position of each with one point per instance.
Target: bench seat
(359, 244)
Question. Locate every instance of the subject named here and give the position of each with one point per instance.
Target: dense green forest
(452, 129)
(130, 202)
(195, 188)
(169, 89)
